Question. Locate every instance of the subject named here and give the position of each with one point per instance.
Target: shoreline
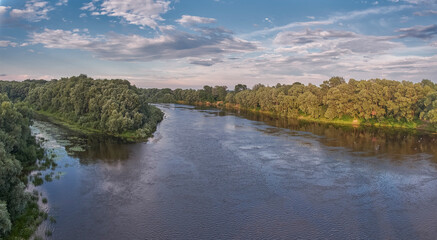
(128, 136)
(416, 125)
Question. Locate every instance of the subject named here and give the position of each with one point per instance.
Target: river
(212, 174)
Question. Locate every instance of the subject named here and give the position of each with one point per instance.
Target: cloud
(205, 62)
(426, 13)
(171, 45)
(422, 32)
(333, 52)
(421, 1)
(145, 13)
(188, 20)
(34, 11)
(62, 2)
(331, 20)
(7, 44)
(309, 36)
(4, 9)
(368, 44)
(88, 6)
(310, 41)
(3, 75)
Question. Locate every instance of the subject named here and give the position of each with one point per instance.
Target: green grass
(56, 118)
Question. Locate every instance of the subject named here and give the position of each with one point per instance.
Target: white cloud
(88, 6)
(4, 9)
(34, 11)
(420, 1)
(308, 36)
(332, 43)
(62, 2)
(331, 52)
(7, 44)
(137, 12)
(205, 62)
(173, 44)
(331, 20)
(426, 13)
(193, 20)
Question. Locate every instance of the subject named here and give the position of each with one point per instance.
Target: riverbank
(130, 136)
(207, 166)
(414, 125)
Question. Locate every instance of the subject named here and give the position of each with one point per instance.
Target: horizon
(189, 44)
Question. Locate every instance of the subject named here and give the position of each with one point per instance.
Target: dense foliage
(112, 106)
(18, 152)
(374, 100)
(18, 91)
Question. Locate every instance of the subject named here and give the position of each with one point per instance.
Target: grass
(56, 118)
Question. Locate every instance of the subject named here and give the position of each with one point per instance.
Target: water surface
(228, 175)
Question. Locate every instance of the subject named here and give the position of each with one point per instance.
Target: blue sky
(191, 43)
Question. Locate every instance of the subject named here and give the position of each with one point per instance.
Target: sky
(191, 43)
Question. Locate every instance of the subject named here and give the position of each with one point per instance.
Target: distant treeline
(19, 152)
(112, 106)
(373, 101)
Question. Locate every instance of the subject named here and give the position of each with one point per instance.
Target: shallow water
(228, 175)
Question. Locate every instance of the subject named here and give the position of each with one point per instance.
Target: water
(209, 174)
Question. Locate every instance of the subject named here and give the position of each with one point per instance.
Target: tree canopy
(112, 106)
(368, 100)
(18, 151)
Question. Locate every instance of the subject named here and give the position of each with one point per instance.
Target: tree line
(111, 106)
(19, 152)
(373, 101)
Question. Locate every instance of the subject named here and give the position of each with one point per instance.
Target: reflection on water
(211, 174)
(101, 148)
(370, 141)
(88, 148)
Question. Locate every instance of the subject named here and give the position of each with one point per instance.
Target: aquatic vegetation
(76, 149)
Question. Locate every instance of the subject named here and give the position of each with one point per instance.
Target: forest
(112, 107)
(115, 107)
(19, 152)
(374, 101)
